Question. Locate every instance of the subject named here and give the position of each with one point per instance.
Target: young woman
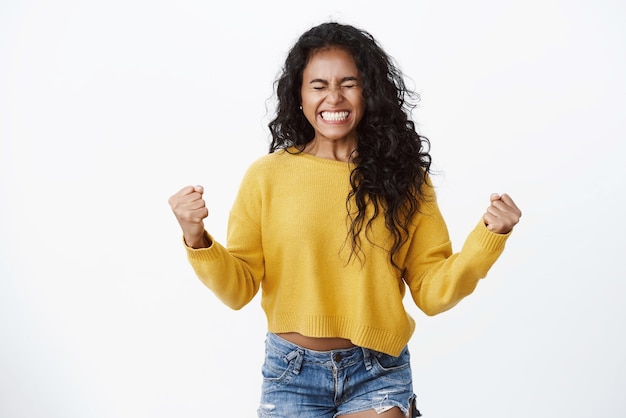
(334, 225)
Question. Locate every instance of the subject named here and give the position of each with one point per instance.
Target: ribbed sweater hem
(332, 326)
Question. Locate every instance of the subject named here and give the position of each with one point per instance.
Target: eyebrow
(343, 80)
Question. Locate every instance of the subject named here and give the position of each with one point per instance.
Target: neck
(331, 150)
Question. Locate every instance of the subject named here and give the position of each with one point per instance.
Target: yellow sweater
(287, 235)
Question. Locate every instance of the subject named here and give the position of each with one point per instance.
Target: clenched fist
(190, 210)
(502, 214)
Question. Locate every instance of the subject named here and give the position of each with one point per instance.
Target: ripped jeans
(303, 383)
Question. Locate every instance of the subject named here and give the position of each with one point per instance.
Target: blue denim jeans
(303, 383)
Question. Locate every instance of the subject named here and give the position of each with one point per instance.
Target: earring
(300, 107)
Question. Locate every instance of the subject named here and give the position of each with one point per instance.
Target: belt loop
(297, 356)
(297, 366)
(367, 358)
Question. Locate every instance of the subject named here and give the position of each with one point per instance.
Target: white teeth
(335, 116)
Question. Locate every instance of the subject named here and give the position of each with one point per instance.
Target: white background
(107, 108)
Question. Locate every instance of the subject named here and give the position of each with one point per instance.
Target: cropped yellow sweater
(287, 235)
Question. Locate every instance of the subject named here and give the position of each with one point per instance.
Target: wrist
(198, 241)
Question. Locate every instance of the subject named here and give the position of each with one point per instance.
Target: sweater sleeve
(438, 279)
(234, 272)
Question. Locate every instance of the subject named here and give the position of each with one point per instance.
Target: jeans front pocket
(394, 369)
(279, 368)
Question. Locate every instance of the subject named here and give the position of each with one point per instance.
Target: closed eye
(345, 83)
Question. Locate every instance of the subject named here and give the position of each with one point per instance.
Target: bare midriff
(317, 344)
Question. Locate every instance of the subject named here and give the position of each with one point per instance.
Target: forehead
(331, 61)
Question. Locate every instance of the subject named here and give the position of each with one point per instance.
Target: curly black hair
(392, 161)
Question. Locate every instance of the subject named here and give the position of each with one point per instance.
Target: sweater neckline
(318, 160)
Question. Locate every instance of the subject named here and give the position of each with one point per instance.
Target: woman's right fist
(190, 210)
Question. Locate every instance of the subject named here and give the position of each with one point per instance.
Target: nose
(335, 94)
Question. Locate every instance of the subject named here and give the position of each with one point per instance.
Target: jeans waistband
(337, 358)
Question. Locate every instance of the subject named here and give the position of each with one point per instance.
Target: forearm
(451, 277)
(234, 279)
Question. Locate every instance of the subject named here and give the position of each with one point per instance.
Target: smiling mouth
(335, 116)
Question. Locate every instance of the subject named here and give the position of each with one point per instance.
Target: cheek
(309, 114)
(360, 106)
(358, 101)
